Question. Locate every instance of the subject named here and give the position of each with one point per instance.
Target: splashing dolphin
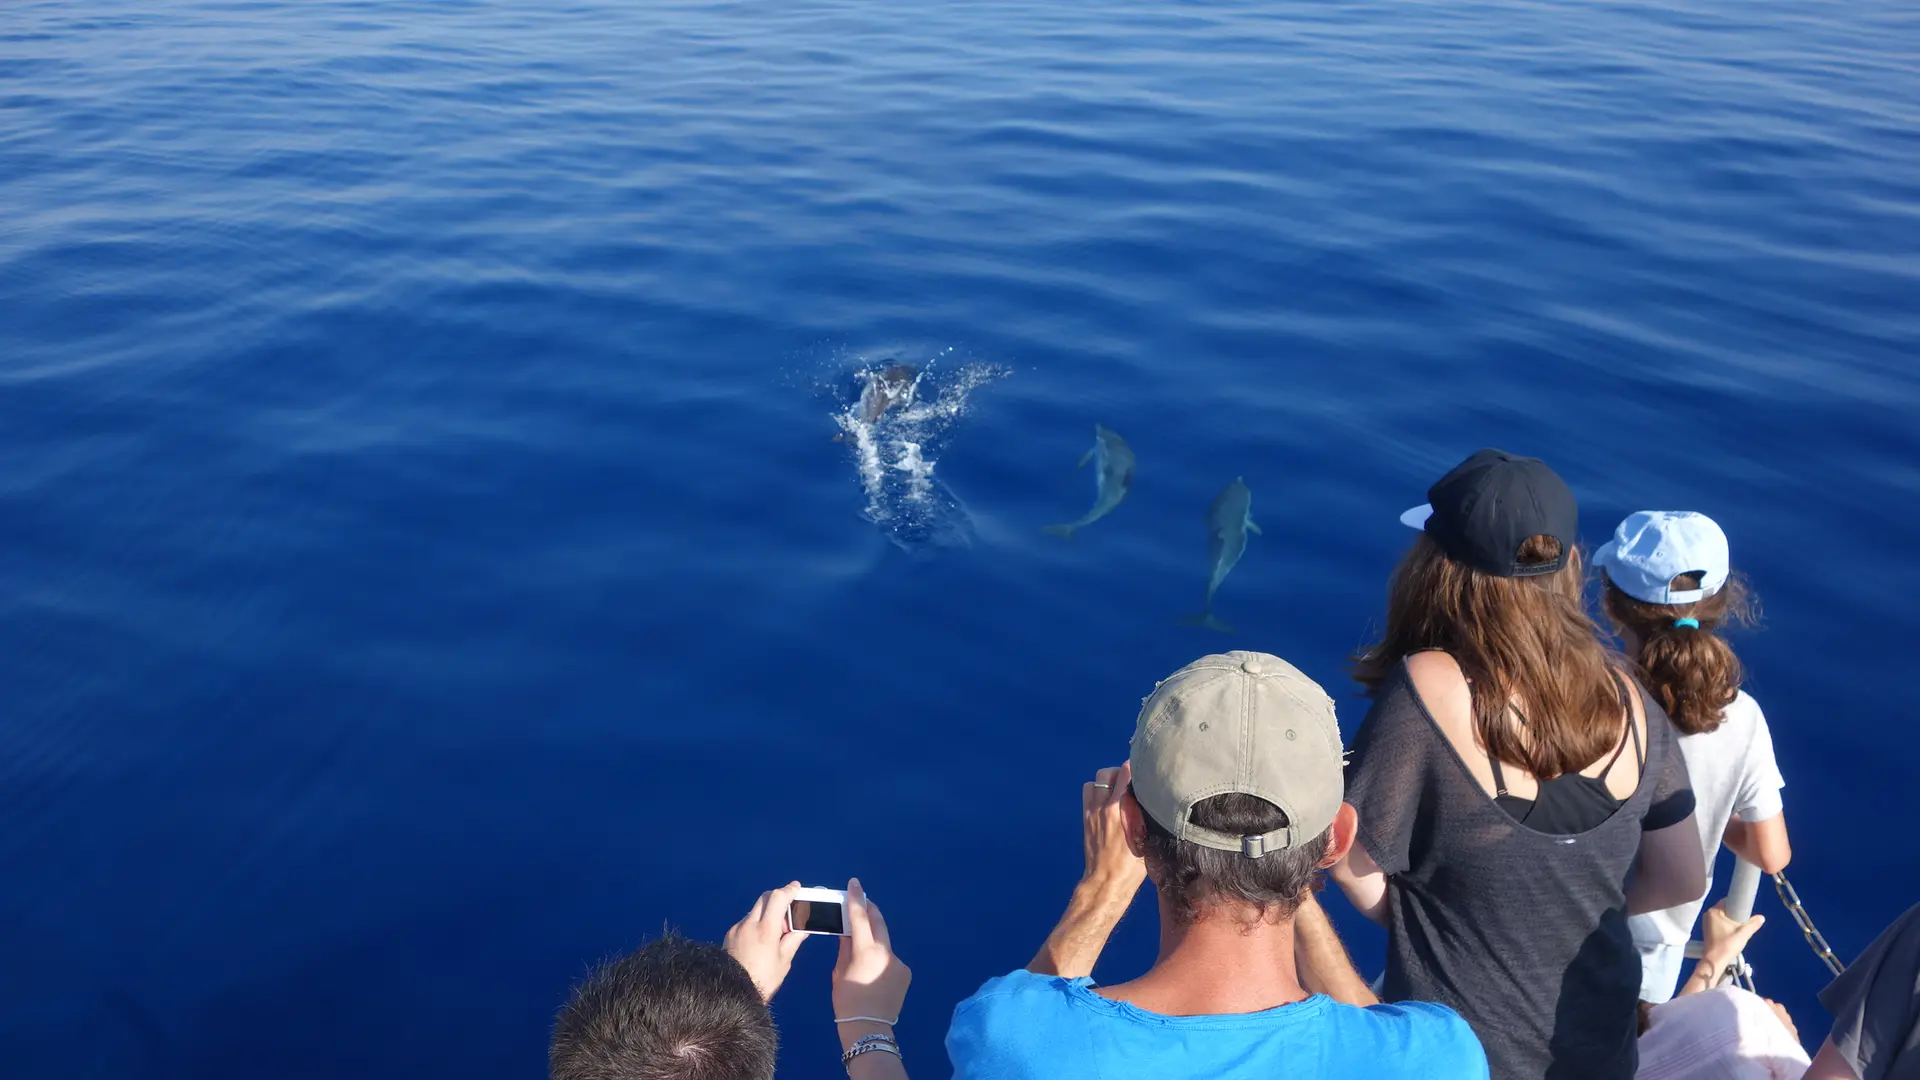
(1229, 520)
(891, 385)
(1112, 478)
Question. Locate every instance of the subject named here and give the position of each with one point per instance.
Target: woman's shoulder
(1436, 679)
(1432, 664)
(1393, 755)
(1399, 701)
(1430, 694)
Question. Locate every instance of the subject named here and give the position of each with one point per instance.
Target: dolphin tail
(1064, 532)
(1207, 619)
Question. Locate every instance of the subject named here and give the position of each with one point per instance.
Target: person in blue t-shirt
(1231, 804)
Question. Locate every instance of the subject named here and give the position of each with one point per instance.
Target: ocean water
(426, 563)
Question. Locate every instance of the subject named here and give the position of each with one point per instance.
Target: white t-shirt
(1733, 773)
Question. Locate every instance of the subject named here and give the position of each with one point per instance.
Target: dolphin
(1112, 478)
(891, 385)
(1229, 520)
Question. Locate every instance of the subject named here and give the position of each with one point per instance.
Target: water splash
(918, 469)
(895, 451)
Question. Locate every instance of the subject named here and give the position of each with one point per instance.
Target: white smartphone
(818, 911)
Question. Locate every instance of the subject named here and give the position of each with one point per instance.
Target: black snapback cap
(1482, 511)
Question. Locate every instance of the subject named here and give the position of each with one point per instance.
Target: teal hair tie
(1686, 624)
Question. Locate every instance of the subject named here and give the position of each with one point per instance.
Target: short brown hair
(1524, 639)
(673, 1010)
(1692, 672)
(1195, 878)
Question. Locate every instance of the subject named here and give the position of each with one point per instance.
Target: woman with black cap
(1518, 794)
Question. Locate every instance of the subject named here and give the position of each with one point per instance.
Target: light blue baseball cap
(1652, 547)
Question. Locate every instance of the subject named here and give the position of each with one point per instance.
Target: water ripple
(417, 486)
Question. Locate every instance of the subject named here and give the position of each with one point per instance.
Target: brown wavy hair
(1525, 641)
(1693, 673)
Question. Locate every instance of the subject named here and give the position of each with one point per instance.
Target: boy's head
(673, 1010)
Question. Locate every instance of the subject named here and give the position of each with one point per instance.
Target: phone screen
(817, 916)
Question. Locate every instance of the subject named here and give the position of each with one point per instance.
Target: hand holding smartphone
(818, 911)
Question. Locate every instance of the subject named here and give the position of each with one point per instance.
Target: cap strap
(1253, 847)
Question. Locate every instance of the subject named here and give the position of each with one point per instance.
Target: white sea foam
(895, 453)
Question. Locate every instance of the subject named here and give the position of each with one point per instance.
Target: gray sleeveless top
(1524, 933)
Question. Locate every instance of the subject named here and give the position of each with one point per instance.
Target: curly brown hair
(1692, 672)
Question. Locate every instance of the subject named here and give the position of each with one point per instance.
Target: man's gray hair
(1198, 880)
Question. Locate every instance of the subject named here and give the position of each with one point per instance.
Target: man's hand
(1111, 864)
(762, 943)
(1113, 875)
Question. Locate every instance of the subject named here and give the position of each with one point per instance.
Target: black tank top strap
(1633, 731)
(1626, 706)
(1499, 774)
(1639, 751)
(1617, 752)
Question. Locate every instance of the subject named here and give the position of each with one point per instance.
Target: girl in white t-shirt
(1668, 589)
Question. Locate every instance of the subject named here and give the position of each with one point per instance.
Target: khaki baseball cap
(1240, 722)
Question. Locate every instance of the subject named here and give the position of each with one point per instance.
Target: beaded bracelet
(867, 1044)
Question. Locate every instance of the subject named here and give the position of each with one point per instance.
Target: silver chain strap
(1816, 940)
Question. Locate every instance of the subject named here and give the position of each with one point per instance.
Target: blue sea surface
(426, 564)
